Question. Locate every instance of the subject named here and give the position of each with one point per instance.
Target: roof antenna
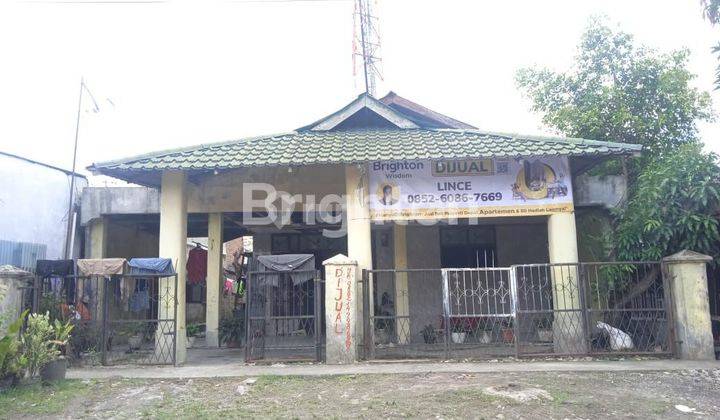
(367, 37)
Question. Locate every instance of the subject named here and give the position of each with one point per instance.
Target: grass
(36, 399)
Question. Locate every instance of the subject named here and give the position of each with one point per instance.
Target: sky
(180, 73)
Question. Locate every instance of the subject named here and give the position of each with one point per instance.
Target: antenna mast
(366, 43)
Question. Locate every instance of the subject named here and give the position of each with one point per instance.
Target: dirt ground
(673, 394)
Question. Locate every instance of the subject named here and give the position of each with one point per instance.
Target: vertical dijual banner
(424, 189)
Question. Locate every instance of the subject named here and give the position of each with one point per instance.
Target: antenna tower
(366, 44)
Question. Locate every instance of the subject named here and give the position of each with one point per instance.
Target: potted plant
(506, 331)
(485, 333)
(11, 359)
(44, 346)
(429, 334)
(231, 331)
(192, 331)
(56, 368)
(544, 329)
(135, 334)
(458, 333)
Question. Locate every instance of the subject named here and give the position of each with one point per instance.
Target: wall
(126, 240)
(424, 288)
(34, 204)
(606, 191)
(532, 249)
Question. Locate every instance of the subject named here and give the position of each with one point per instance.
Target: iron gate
(284, 319)
(119, 319)
(537, 309)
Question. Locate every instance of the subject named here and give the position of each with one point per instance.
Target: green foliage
(711, 12)
(43, 341)
(231, 329)
(11, 360)
(620, 92)
(673, 206)
(36, 346)
(194, 330)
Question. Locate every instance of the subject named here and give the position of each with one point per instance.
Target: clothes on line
(196, 265)
(53, 268)
(102, 266)
(151, 266)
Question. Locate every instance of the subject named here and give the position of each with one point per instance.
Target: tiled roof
(336, 147)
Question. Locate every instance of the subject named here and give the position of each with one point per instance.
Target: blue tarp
(151, 266)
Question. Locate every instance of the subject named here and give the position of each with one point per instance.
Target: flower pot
(458, 337)
(485, 337)
(508, 335)
(54, 371)
(545, 335)
(8, 382)
(190, 342)
(134, 342)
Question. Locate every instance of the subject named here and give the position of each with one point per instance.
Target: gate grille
(285, 320)
(522, 310)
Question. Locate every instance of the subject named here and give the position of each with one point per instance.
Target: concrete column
(687, 279)
(357, 214)
(214, 278)
(341, 307)
(97, 244)
(568, 325)
(96, 247)
(402, 304)
(173, 245)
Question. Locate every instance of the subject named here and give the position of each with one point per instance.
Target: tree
(672, 206)
(711, 11)
(620, 92)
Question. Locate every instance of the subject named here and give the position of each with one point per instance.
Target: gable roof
(420, 115)
(363, 101)
(341, 147)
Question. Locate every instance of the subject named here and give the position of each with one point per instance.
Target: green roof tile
(336, 147)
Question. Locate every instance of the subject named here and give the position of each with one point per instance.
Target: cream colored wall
(224, 192)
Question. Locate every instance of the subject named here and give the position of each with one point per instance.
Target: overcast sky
(180, 73)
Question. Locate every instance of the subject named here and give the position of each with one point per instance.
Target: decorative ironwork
(284, 320)
(121, 319)
(536, 309)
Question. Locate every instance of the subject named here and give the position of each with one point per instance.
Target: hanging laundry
(140, 299)
(52, 268)
(197, 265)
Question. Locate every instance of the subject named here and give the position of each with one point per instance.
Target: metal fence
(121, 319)
(523, 310)
(284, 317)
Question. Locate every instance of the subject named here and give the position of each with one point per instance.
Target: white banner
(423, 189)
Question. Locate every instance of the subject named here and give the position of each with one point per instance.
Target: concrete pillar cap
(12, 272)
(686, 256)
(340, 259)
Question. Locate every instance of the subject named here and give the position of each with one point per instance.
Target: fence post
(691, 305)
(104, 310)
(341, 310)
(318, 317)
(368, 329)
(514, 307)
(446, 311)
(584, 286)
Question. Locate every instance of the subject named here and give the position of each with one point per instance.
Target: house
(387, 182)
(34, 211)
